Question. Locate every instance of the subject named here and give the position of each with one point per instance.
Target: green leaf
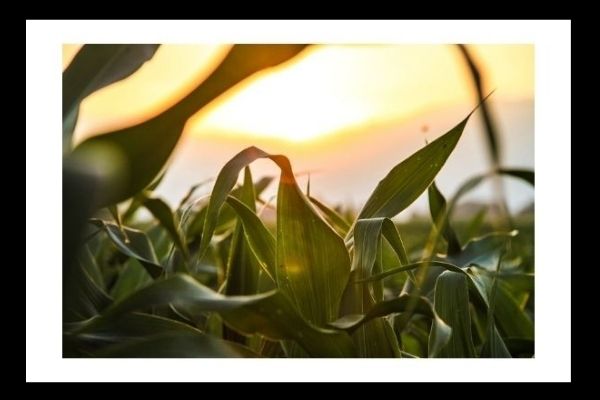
(132, 277)
(145, 335)
(174, 344)
(484, 251)
(490, 127)
(270, 314)
(410, 267)
(407, 180)
(259, 239)
(89, 264)
(493, 346)
(162, 212)
(520, 348)
(437, 208)
(94, 67)
(475, 224)
(128, 159)
(404, 303)
(114, 212)
(224, 184)
(452, 305)
(526, 175)
(138, 200)
(312, 260)
(82, 297)
(332, 216)
(242, 265)
(125, 328)
(510, 316)
(371, 340)
(136, 245)
(520, 282)
(314, 267)
(472, 184)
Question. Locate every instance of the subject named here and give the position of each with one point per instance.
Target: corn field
(212, 277)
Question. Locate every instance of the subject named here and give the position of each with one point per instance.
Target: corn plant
(212, 277)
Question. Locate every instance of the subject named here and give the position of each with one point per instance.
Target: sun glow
(326, 90)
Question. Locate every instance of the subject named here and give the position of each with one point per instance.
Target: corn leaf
(452, 305)
(176, 344)
(437, 208)
(143, 335)
(332, 216)
(136, 245)
(259, 239)
(420, 305)
(312, 260)
(313, 268)
(270, 314)
(484, 251)
(82, 297)
(407, 180)
(371, 340)
(138, 153)
(132, 277)
(410, 267)
(162, 212)
(94, 67)
(242, 265)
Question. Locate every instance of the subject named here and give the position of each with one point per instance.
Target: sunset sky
(347, 113)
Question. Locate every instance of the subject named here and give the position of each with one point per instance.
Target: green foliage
(214, 279)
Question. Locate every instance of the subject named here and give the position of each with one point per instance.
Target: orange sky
(336, 109)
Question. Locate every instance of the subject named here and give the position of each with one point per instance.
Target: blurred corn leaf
(523, 174)
(475, 224)
(94, 67)
(493, 144)
(139, 152)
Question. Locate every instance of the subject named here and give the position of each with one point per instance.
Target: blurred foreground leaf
(94, 67)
